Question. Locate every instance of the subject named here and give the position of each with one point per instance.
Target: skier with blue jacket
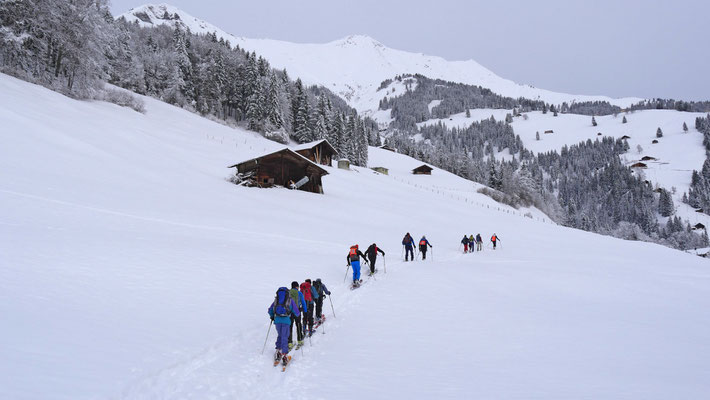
(280, 312)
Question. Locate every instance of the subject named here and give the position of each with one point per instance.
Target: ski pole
(267, 336)
(346, 273)
(402, 251)
(384, 259)
(331, 306)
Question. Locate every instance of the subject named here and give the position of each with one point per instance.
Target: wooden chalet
(639, 165)
(388, 148)
(320, 151)
(283, 168)
(382, 170)
(549, 131)
(698, 226)
(422, 170)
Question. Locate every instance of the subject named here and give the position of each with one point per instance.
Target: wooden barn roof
(423, 167)
(287, 152)
(310, 145)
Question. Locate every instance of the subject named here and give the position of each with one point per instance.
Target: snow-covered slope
(355, 66)
(129, 268)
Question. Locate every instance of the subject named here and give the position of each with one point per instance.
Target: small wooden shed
(320, 151)
(283, 168)
(549, 131)
(698, 226)
(639, 165)
(422, 170)
(381, 170)
(625, 137)
(344, 163)
(388, 148)
(648, 158)
(654, 141)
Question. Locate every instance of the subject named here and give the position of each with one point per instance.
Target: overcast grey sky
(616, 48)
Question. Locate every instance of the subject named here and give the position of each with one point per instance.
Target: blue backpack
(282, 303)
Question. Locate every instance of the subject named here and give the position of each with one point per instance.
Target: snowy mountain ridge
(355, 66)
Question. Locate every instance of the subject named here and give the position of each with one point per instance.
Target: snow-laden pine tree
(623, 120)
(594, 121)
(665, 204)
(659, 132)
(685, 127)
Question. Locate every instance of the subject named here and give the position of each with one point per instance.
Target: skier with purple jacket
(280, 312)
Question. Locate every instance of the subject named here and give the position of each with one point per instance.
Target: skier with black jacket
(371, 256)
(423, 243)
(322, 290)
(408, 243)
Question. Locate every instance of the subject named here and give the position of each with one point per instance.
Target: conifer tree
(659, 133)
(594, 121)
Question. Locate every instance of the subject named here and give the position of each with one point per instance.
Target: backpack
(319, 288)
(422, 242)
(306, 290)
(353, 253)
(282, 303)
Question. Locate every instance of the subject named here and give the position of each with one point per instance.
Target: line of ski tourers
(296, 306)
(471, 243)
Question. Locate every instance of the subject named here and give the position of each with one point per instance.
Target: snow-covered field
(354, 67)
(130, 269)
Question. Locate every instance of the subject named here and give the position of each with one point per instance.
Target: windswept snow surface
(130, 269)
(354, 67)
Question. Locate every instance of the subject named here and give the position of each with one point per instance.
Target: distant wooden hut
(385, 147)
(698, 226)
(654, 141)
(639, 165)
(320, 151)
(625, 137)
(648, 158)
(599, 133)
(344, 163)
(382, 170)
(422, 170)
(283, 168)
(549, 131)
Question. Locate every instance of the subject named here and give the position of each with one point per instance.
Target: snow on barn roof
(285, 149)
(310, 145)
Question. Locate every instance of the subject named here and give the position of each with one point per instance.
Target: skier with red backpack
(423, 243)
(307, 291)
(495, 239)
(354, 261)
(280, 312)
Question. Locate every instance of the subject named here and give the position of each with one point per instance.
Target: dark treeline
(74, 46)
(698, 195)
(412, 106)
